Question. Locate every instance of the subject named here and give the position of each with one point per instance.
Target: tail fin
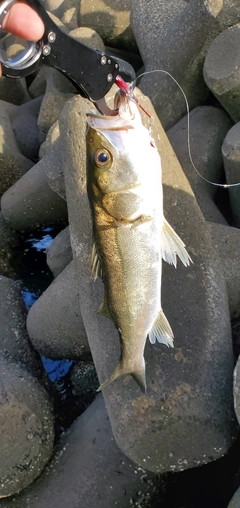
(121, 370)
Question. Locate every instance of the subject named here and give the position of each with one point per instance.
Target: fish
(130, 233)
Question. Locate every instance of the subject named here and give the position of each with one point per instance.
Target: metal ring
(4, 8)
(29, 55)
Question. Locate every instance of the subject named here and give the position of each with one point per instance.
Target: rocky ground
(178, 445)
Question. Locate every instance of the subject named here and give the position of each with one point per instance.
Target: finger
(23, 21)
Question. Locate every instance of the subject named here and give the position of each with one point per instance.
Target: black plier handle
(91, 71)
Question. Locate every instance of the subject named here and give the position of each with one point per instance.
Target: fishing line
(223, 185)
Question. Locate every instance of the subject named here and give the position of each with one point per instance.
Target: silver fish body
(130, 233)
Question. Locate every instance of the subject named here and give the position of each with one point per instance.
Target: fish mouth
(124, 105)
(127, 118)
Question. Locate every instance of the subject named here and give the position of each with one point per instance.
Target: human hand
(23, 21)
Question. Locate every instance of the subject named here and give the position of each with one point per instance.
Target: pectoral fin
(96, 268)
(172, 246)
(161, 331)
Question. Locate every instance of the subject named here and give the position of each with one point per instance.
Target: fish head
(123, 165)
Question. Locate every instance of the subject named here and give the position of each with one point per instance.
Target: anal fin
(172, 246)
(161, 331)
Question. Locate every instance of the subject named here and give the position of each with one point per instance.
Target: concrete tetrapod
(26, 420)
(30, 202)
(26, 428)
(221, 70)
(13, 164)
(187, 416)
(231, 160)
(59, 254)
(88, 470)
(54, 322)
(208, 128)
(172, 47)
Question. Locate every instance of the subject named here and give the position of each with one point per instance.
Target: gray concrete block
(231, 160)
(221, 70)
(226, 241)
(13, 164)
(111, 20)
(58, 89)
(236, 390)
(54, 322)
(14, 90)
(192, 82)
(26, 429)
(8, 242)
(30, 202)
(48, 143)
(84, 381)
(235, 501)
(25, 128)
(14, 341)
(88, 470)
(65, 10)
(208, 128)
(173, 48)
(54, 169)
(89, 37)
(59, 254)
(190, 387)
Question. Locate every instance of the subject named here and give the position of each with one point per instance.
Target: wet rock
(14, 90)
(208, 128)
(190, 387)
(30, 202)
(231, 160)
(14, 341)
(221, 70)
(84, 381)
(54, 322)
(25, 127)
(26, 429)
(170, 49)
(8, 242)
(12, 163)
(86, 454)
(111, 20)
(226, 241)
(59, 254)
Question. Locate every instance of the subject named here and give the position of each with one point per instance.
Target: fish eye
(102, 157)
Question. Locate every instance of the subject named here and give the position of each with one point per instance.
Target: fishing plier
(91, 71)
